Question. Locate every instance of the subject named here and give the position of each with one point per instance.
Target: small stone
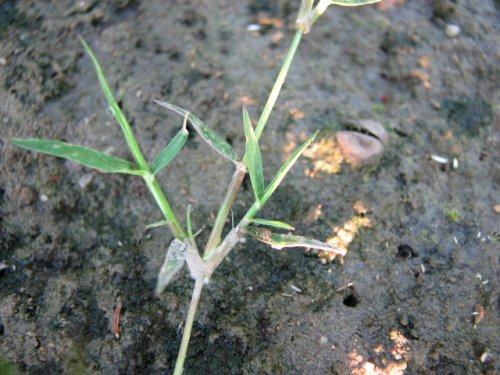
(323, 340)
(85, 180)
(3, 267)
(484, 357)
(436, 105)
(254, 27)
(452, 30)
(359, 149)
(376, 129)
(44, 198)
(403, 320)
(26, 196)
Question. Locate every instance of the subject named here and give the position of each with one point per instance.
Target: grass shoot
(184, 249)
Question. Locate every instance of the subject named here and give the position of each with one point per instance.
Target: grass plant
(184, 248)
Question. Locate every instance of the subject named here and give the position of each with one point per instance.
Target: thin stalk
(132, 143)
(186, 335)
(305, 8)
(232, 191)
(166, 209)
(215, 235)
(280, 80)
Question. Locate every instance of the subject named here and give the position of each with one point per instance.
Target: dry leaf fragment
(478, 314)
(297, 114)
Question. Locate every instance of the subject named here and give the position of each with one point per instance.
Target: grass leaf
(170, 151)
(208, 135)
(81, 155)
(285, 168)
(281, 241)
(352, 3)
(174, 260)
(115, 109)
(273, 223)
(253, 158)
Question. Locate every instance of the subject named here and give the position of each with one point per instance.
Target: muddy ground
(422, 233)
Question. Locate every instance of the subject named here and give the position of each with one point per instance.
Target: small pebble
(359, 149)
(403, 319)
(439, 159)
(254, 27)
(3, 266)
(26, 196)
(452, 31)
(323, 340)
(484, 357)
(436, 105)
(85, 180)
(44, 198)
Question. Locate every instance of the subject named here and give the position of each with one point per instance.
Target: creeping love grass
(184, 247)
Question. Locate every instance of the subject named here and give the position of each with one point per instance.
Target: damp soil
(421, 232)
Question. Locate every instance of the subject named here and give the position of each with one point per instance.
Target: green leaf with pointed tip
(353, 3)
(170, 151)
(174, 260)
(208, 135)
(81, 155)
(281, 241)
(285, 168)
(253, 158)
(272, 223)
(115, 109)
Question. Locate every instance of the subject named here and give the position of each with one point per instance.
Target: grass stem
(278, 84)
(232, 191)
(186, 335)
(215, 235)
(164, 205)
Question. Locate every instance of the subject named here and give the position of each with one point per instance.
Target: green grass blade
(352, 3)
(174, 260)
(189, 226)
(208, 135)
(156, 225)
(188, 223)
(253, 158)
(171, 150)
(285, 168)
(115, 109)
(282, 241)
(81, 155)
(272, 223)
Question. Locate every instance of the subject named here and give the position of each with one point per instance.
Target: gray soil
(73, 243)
